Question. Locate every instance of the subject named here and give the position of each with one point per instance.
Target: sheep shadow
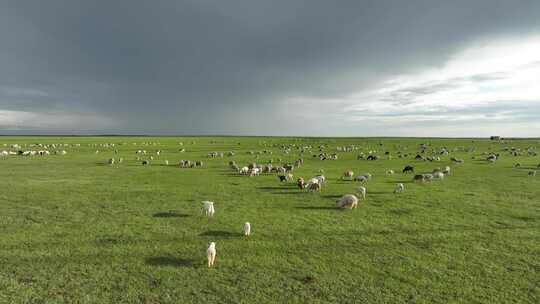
(318, 208)
(221, 234)
(275, 188)
(401, 182)
(291, 192)
(169, 261)
(331, 196)
(171, 213)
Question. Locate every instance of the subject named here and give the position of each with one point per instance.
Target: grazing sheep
(427, 177)
(532, 173)
(446, 170)
(208, 208)
(282, 178)
(211, 254)
(347, 201)
(244, 171)
(320, 178)
(247, 229)
(438, 175)
(418, 178)
(348, 174)
(399, 188)
(362, 191)
(360, 178)
(300, 183)
(111, 161)
(408, 169)
(389, 172)
(145, 162)
(457, 160)
(312, 187)
(254, 172)
(517, 165)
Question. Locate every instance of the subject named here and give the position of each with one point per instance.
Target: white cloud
(483, 74)
(25, 120)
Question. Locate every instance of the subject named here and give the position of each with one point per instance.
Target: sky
(460, 68)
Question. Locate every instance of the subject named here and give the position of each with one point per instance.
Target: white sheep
(399, 188)
(446, 170)
(208, 208)
(438, 175)
(348, 174)
(244, 170)
(211, 253)
(347, 201)
(362, 191)
(247, 229)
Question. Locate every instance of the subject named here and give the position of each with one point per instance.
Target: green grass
(74, 230)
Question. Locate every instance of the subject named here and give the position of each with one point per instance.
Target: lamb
(208, 208)
(389, 172)
(399, 188)
(362, 191)
(211, 254)
(347, 201)
(247, 229)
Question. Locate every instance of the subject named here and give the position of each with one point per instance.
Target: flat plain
(75, 229)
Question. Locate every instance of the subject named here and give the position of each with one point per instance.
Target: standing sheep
(399, 188)
(362, 191)
(211, 254)
(247, 229)
(208, 208)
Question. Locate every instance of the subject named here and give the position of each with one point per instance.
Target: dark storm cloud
(223, 66)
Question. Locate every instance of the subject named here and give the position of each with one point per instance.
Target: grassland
(75, 230)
